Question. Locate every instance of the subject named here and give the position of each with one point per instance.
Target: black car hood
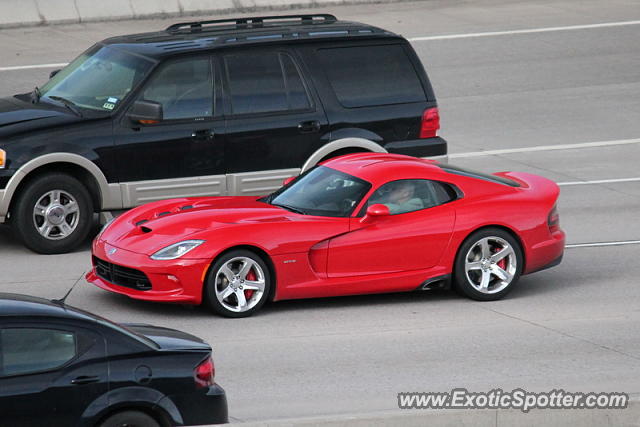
(14, 112)
(169, 339)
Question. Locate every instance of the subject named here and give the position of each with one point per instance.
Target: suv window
(365, 76)
(30, 350)
(265, 82)
(409, 195)
(184, 88)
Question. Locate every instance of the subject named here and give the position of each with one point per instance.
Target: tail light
(204, 373)
(554, 219)
(430, 123)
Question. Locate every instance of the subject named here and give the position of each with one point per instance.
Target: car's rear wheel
(238, 284)
(53, 214)
(130, 419)
(488, 264)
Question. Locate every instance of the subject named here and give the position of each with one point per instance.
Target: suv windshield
(322, 191)
(99, 79)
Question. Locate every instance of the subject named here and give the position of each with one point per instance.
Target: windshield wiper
(35, 95)
(290, 208)
(69, 104)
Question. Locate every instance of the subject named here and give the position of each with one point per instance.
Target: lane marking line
(31, 67)
(544, 148)
(599, 244)
(599, 181)
(525, 31)
(426, 38)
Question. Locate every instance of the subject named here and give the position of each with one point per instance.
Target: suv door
(183, 154)
(274, 120)
(50, 374)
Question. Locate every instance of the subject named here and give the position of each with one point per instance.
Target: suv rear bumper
(428, 147)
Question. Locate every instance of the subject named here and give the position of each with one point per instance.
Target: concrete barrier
(628, 417)
(24, 13)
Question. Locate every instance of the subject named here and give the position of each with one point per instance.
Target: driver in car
(400, 197)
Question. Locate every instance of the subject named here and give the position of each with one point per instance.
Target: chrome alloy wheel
(240, 284)
(490, 265)
(56, 215)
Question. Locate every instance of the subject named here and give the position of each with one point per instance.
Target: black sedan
(62, 366)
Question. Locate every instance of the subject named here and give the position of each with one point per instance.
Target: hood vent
(146, 229)
(139, 223)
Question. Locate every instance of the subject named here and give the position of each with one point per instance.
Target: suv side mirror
(374, 212)
(145, 112)
(288, 181)
(53, 73)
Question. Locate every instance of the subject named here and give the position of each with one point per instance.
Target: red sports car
(357, 224)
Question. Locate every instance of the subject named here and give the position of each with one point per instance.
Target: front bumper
(178, 281)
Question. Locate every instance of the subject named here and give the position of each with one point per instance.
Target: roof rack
(256, 21)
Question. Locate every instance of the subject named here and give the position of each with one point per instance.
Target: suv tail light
(430, 123)
(554, 219)
(204, 373)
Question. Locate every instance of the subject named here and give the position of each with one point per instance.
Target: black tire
(470, 285)
(215, 280)
(25, 223)
(130, 419)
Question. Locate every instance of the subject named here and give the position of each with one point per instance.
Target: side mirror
(53, 73)
(374, 212)
(288, 181)
(145, 112)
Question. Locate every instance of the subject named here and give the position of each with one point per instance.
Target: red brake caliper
(248, 293)
(503, 262)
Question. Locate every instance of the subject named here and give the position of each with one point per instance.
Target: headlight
(3, 159)
(176, 250)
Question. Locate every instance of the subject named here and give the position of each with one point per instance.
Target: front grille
(121, 276)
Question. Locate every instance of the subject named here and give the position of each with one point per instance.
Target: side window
(31, 350)
(409, 195)
(184, 88)
(265, 82)
(371, 75)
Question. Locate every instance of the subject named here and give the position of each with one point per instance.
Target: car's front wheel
(238, 284)
(488, 264)
(53, 214)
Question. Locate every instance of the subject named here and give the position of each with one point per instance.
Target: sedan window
(30, 350)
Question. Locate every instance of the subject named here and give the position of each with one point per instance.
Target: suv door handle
(84, 379)
(309, 126)
(203, 135)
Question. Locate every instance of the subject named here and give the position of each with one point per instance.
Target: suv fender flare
(341, 144)
(109, 196)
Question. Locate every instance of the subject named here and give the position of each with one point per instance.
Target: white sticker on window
(109, 106)
(112, 100)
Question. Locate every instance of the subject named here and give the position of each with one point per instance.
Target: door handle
(84, 379)
(309, 126)
(203, 135)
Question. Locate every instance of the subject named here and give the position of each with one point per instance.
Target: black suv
(205, 108)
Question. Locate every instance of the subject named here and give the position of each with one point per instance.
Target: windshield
(322, 191)
(99, 79)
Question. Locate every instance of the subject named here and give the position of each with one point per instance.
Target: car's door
(183, 154)
(49, 373)
(413, 237)
(274, 119)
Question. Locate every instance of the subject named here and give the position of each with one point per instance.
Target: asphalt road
(575, 327)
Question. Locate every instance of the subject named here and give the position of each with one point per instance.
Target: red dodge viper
(357, 224)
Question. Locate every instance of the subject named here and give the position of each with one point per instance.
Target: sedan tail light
(554, 219)
(204, 373)
(430, 123)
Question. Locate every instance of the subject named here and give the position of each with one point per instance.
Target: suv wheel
(53, 214)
